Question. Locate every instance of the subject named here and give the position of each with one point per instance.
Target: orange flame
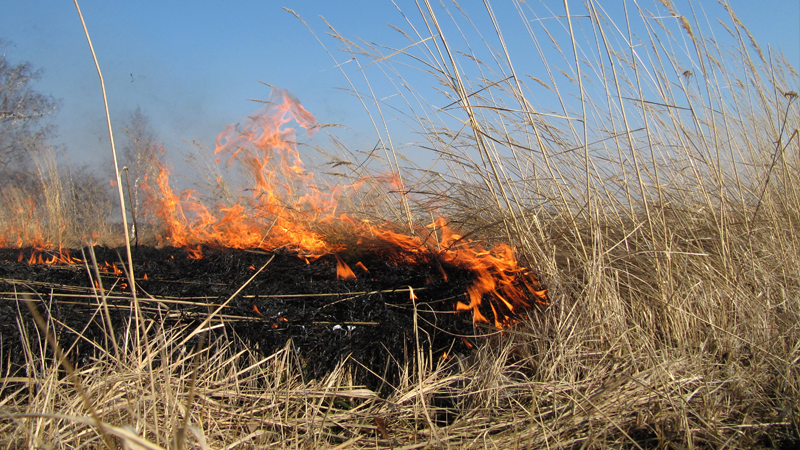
(107, 267)
(22, 228)
(285, 208)
(62, 257)
(284, 203)
(281, 206)
(343, 271)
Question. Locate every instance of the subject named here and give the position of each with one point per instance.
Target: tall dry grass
(54, 207)
(649, 174)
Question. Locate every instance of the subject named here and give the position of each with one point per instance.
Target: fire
(284, 203)
(22, 228)
(285, 208)
(282, 206)
(107, 267)
(343, 271)
(62, 257)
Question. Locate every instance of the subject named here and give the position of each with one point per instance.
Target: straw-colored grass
(646, 165)
(53, 207)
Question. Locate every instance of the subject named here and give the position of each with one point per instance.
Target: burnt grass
(369, 319)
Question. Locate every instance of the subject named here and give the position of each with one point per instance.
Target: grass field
(659, 206)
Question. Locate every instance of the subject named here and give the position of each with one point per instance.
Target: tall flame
(284, 201)
(285, 208)
(281, 206)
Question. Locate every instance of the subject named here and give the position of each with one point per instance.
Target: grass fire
(553, 228)
(285, 209)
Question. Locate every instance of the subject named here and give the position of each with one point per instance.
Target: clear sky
(192, 66)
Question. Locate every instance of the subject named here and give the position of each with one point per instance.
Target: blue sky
(192, 66)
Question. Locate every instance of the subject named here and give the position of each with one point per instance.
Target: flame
(22, 228)
(36, 258)
(276, 325)
(62, 257)
(194, 253)
(343, 271)
(107, 267)
(282, 207)
(284, 202)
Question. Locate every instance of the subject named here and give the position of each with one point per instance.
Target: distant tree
(143, 152)
(22, 108)
(143, 155)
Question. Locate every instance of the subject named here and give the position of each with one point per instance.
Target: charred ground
(297, 299)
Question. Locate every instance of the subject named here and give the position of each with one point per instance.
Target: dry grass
(650, 177)
(54, 208)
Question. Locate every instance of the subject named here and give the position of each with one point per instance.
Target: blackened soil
(370, 318)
